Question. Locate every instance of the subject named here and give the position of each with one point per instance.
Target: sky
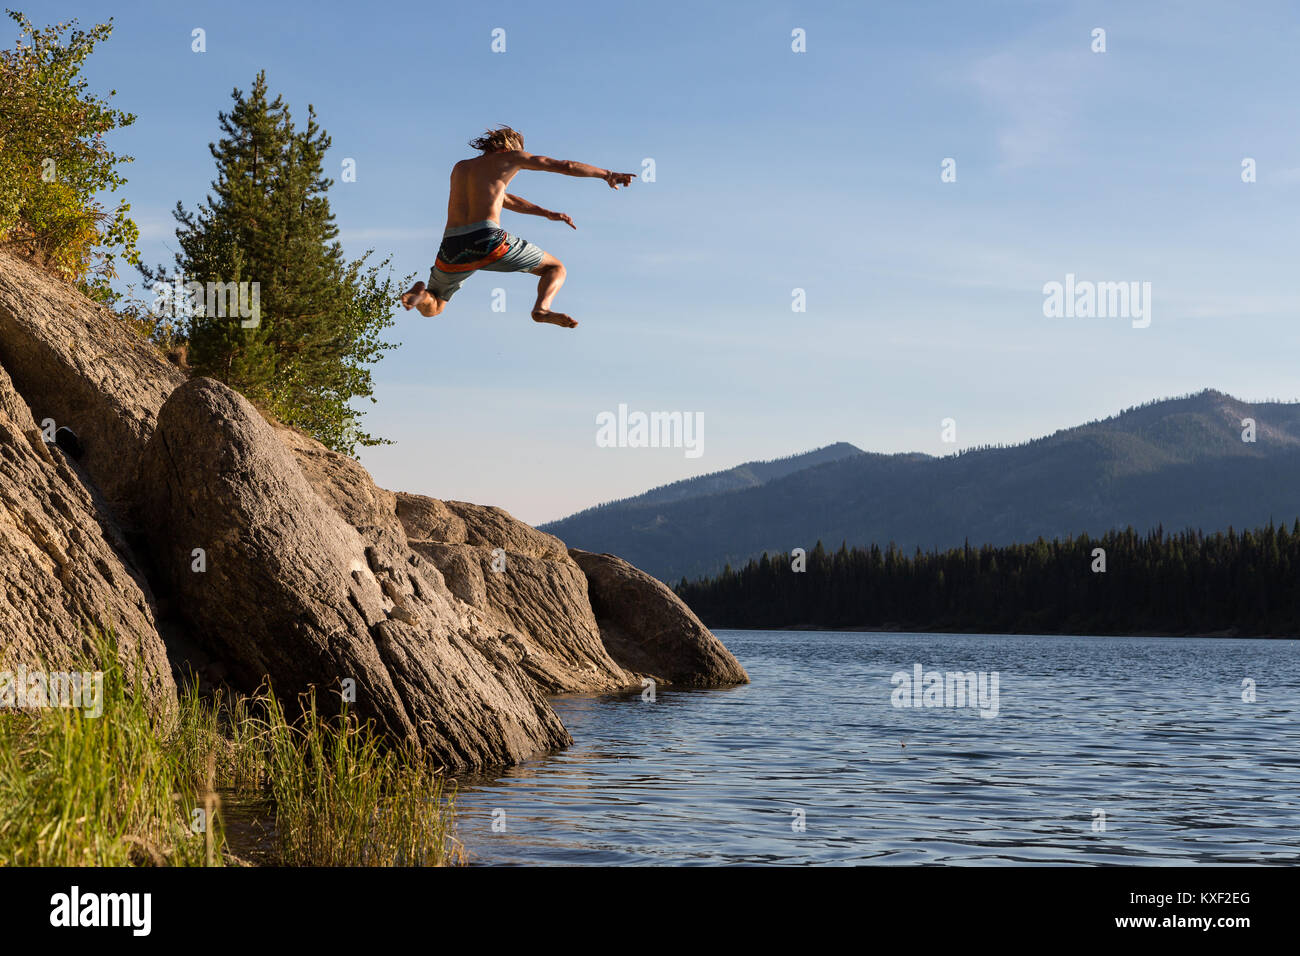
(774, 170)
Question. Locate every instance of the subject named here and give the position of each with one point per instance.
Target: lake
(1103, 750)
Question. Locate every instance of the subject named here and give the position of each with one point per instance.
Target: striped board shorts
(480, 245)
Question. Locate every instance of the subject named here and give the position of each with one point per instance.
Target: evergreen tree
(1181, 583)
(306, 356)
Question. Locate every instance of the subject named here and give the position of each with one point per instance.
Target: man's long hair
(498, 140)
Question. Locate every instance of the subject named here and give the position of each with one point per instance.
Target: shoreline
(894, 629)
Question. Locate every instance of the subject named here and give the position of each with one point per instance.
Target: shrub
(54, 163)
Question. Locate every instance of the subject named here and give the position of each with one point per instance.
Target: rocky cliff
(216, 542)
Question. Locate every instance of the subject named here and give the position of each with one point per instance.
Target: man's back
(478, 187)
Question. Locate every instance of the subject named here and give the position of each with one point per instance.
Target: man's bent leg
(551, 272)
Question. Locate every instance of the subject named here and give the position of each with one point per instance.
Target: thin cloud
(1036, 96)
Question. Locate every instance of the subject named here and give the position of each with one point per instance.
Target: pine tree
(1174, 583)
(320, 317)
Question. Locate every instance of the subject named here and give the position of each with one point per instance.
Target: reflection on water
(1149, 735)
(249, 822)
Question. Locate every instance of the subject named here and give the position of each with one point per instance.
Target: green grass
(121, 789)
(343, 797)
(97, 791)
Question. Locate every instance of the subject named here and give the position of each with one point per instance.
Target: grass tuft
(77, 790)
(121, 789)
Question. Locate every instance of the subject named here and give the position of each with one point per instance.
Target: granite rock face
(78, 364)
(533, 611)
(65, 569)
(291, 591)
(201, 531)
(649, 629)
(524, 583)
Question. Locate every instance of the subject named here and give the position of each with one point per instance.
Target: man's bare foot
(555, 318)
(412, 295)
(417, 297)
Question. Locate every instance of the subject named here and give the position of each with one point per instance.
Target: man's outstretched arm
(570, 167)
(516, 204)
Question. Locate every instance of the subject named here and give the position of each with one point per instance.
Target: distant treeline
(1187, 583)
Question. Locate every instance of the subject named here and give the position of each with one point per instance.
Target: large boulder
(533, 612)
(79, 364)
(648, 629)
(291, 591)
(66, 574)
(524, 583)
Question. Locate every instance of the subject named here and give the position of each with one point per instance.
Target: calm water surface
(1153, 732)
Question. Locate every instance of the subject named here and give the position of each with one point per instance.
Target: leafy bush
(53, 159)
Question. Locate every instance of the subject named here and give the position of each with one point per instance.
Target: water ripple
(1153, 733)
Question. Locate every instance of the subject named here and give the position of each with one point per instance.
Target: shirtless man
(474, 238)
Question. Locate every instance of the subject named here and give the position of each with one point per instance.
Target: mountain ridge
(747, 474)
(1176, 462)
